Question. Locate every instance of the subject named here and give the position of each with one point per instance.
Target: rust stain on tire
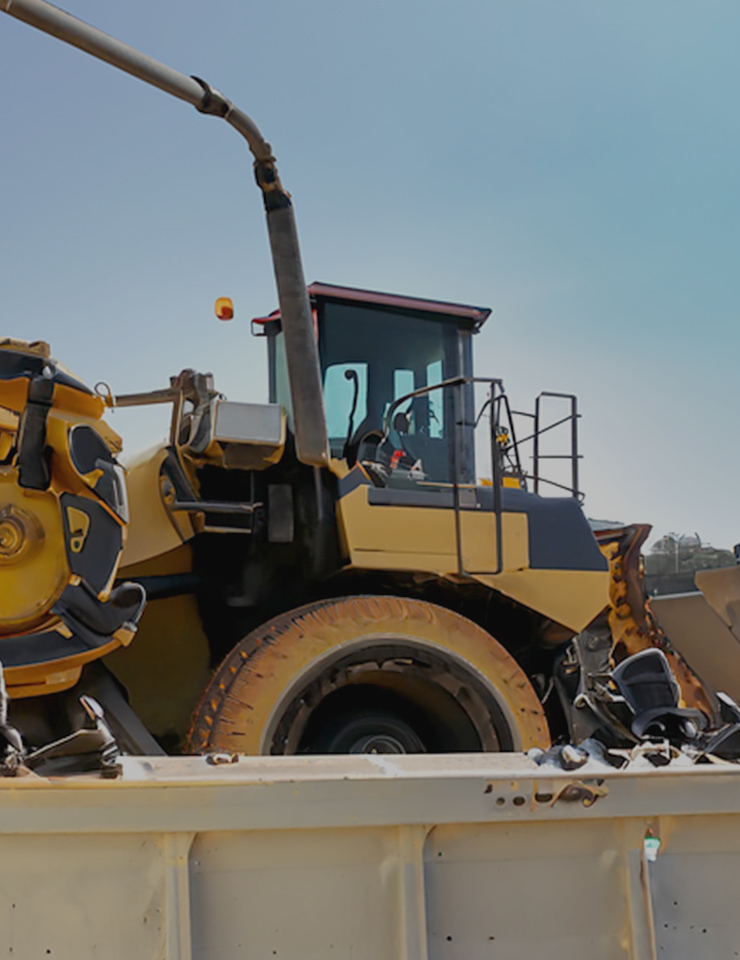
(241, 697)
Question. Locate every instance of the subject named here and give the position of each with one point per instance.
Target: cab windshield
(371, 357)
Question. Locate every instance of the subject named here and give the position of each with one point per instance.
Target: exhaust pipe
(304, 372)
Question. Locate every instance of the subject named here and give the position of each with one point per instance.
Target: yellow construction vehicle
(387, 591)
(327, 573)
(331, 554)
(384, 603)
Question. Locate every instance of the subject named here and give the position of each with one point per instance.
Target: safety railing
(541, 425)
(507, 448)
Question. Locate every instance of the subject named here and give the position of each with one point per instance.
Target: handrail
(497, 395)
(497, 400)
(573, 456)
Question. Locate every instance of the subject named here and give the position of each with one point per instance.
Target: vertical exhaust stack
(302, 353)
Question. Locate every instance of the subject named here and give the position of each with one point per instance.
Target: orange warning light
(224, 308)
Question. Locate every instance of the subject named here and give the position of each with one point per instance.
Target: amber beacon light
(224, 308)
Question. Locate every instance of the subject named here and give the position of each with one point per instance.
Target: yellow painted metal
(340, 468)
(154, 529)
(34, 569)
(77, 403)
(171, 643)
(34, 348)
(256, 683)
(570, 597)
(478, 535)
(179, 560)
(394, 537)
(8, 430)
(166, 670)
(33, 563)
(79, 527)
(8, 420)
(632, 622)
(397, 538)
(44, 678)
(418, 538)
(14, 392)
(64, 474)
(43, 681)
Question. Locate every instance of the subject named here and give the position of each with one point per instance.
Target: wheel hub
(19, 531)
(377, 743)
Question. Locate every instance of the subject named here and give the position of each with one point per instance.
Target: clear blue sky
(573, 165)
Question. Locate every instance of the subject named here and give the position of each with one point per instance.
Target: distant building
(672, 561)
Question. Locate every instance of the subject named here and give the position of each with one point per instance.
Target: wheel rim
(358, 730)
(430, 688)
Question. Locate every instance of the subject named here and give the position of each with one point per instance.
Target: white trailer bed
(462, 858)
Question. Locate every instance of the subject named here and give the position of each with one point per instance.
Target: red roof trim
(275, 315)
(476, 315)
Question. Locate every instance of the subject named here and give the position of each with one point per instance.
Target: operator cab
(375, 351)
(400, 403)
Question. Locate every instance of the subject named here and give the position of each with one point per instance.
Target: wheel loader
(325, 572)
(362, 607)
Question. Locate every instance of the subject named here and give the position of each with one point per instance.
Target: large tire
(310, 679)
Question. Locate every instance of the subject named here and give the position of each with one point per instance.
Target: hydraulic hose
(295, 309)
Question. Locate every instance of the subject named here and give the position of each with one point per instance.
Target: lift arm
(295, 309)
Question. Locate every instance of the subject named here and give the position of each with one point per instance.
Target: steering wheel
(365, 433)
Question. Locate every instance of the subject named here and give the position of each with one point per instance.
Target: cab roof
(473, 316)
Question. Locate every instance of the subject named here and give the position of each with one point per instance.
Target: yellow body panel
(395, 537)
(35, 570)
(152, 530)
(570, 597)
(43, 678)
(400, 537)
(14, 394)
(8, 420)
(8, 430)
(478, 533)
(170, 642)
(65, 477)
(167, 669)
